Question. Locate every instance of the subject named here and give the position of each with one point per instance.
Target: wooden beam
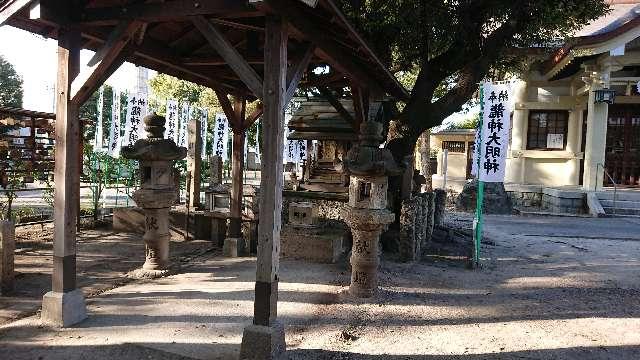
(295, 72)
(271, 182)
(312, 31)
(111, 56)
(160, 12)
(67, 190)
(335, 102)
(227, 108)
(163, 60)
(11, 8)
(254, 116)
(121, 31)
(360, 105)
(222, 46)
(237, 166)
(217, 60)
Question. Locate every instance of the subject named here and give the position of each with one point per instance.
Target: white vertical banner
(496, 124)
(184, 118)
(301, 148)
(221, 137)
(114, 132)
(204, 114)
(258, 129)
(476, 149)
(97, 145)
(136, 110)
(171, 127)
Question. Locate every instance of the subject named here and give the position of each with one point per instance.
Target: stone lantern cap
(155, 147)
(366, 158)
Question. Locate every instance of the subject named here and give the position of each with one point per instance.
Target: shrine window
(547, 130)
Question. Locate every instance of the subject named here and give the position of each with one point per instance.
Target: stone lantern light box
(368, 192)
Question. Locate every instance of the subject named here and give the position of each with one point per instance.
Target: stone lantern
(368, 167)
(157, 191)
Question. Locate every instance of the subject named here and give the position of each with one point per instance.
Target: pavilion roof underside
(166, 40)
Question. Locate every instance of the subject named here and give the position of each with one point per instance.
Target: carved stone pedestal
(366, 226)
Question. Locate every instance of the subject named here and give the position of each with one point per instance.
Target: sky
(34, 58)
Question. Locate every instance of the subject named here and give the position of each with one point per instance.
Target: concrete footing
(63, 309)
(263, 342)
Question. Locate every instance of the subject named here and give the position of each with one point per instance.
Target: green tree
(10, 85)
(442, 50)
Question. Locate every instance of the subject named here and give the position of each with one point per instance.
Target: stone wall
(554, 200)
(416, 226)
(563, 201)
(329, 205)
(525, 197)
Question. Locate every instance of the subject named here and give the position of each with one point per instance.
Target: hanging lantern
(605, 96)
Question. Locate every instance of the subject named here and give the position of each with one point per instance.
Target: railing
(615, 186)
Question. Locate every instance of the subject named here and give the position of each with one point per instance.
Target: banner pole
(478, 221)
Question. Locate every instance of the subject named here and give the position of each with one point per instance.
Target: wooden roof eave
(159, 57)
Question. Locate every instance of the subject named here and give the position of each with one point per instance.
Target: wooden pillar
(194, 160)
(237, 169)
(265, 339)
(64, 305)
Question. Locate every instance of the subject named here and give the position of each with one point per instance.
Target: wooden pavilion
(251, 49)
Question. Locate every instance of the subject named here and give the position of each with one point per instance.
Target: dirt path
(543, 294)
(103, 259)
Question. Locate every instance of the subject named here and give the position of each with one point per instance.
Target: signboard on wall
(555, 141)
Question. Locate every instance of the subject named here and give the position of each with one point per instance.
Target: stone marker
(367, 214)
(156, 193)
(7, 248)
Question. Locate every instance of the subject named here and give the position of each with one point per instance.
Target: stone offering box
(218, 200)
(303, 214)
(302, 238)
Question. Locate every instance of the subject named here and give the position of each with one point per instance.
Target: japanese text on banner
(496, 124)
(136, 111)
(184, 119)
(221, 137)
(171, 131)
(114, 133)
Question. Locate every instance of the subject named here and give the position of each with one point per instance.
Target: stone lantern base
(366, 226)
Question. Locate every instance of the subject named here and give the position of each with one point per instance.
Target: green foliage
(10, 85)
(470, 122)
(442, 50)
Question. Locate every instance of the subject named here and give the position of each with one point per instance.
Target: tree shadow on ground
(573, 353)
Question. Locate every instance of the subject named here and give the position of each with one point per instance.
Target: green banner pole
(477, 223)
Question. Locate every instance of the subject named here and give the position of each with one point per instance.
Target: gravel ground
(549, 289)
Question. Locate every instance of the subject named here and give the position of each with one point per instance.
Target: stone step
(324, 181)
(622, 195)
(621, 211)
(621, 204)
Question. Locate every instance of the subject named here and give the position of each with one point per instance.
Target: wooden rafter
(255, 115)
(295, 72)
(120, 32)
(360, 105)
(164, 11)
(109, 55)
(247, 74)
(335, 102)
(11, 9)
(227, 108)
